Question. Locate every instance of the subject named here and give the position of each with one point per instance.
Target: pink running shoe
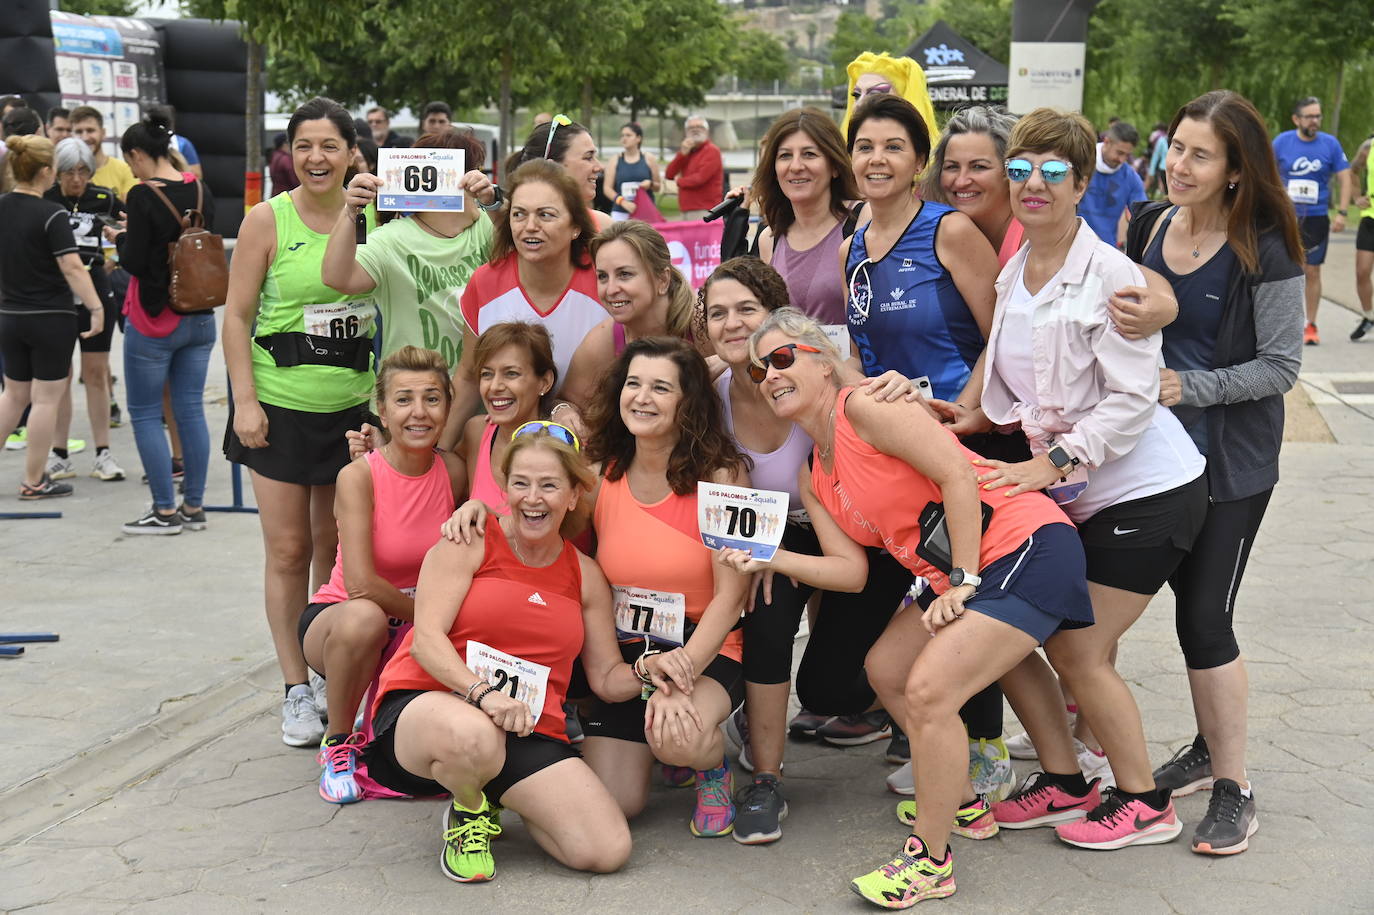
(1039, 803)
(715, 813)
(1120, 821)
(340, 763)
(678, 776)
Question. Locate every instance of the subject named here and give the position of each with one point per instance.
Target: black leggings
(1205, 583)
(831, 678)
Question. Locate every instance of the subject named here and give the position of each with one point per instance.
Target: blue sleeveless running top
(905, 313)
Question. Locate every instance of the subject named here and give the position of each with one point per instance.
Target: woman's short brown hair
(532, 338)
(1064, 133)
(556, 177)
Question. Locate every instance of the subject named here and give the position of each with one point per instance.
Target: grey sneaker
(107, 468)
(1189, 770)
(1229, 823)
(46, 489)
(320, 695)
(60, 468)
(193, 519)
(300, 723)
(153, 523)
(760, 809)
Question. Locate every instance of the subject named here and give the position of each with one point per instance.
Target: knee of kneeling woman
(364, 623)
(606, 855)
(470, 742)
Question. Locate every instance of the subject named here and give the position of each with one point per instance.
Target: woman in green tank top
(299, 357)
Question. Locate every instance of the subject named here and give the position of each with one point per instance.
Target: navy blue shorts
(1316, 232)
(1039, 587)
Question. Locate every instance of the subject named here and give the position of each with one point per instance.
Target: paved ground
(142, 769)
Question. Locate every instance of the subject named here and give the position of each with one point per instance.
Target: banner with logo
(694, 246)
(110, 63)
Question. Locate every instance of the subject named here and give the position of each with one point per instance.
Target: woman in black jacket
(1228, 242)
(160, 346)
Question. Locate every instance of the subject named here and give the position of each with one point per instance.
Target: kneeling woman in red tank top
(472, 701)
(1007, 571)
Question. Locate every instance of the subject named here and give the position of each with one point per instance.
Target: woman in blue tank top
(920, 275)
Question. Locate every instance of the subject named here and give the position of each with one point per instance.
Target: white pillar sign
(1046, 73)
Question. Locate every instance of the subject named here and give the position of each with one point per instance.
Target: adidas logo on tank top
(536, 599)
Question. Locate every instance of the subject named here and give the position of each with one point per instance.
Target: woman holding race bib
(418, 266)
(299, 357)
(472, 701)
(657, 429)
(389, 507)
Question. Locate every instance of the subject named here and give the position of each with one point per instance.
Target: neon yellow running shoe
(907, 879)
(466, 857)
(974, 820)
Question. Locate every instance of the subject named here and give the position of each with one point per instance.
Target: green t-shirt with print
(420, 279)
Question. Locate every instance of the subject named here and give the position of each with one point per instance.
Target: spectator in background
(436, 118)
(22, 122)
(698, 170)
(280, 167)
(59, 124)
(1114, 185)
(9, 102)
(365, 159)
(88, 125)
(541, 119)
(1159, 149)
(379, 125)
(183, 146)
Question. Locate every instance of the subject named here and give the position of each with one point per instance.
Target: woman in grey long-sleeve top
(1228, 242)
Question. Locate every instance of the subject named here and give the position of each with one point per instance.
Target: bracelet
(558, 406)
(642, 659)
(619, 200)
(475, 683)
(477, 703)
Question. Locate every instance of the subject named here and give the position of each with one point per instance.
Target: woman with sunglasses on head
(737, 297)
(389, 508)
(633, 172)
(804, 187)
(642, 292)
(471, 703)
(1120, 464)
(1228, 240)
(656, 428)
(299, 356)
(1014, 562)
(571, 145)
(539, 271)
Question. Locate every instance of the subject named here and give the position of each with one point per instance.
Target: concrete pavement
(143, 770)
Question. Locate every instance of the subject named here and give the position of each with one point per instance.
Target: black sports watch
(1062, 460)
(496, 201)
(959, 577)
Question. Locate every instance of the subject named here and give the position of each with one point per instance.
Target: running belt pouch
(934, 543)
(293, 348)
(197, 270)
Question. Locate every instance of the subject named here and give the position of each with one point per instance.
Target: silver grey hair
(992, 121)
(697, 117)
(70, 154)
(798, 327)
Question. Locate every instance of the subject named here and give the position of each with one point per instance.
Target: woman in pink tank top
(514, 371)
(887, 474)
(389, 507)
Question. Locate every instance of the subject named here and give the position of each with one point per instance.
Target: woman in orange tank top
(657, 429)
(887, 474)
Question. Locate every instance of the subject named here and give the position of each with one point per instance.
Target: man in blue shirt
(1307, 160)
(1114, 185)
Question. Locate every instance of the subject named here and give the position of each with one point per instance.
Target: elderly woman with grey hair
(89, 209)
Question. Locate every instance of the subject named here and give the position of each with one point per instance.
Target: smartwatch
(959, 577)
(1062, 460)
(496, 201)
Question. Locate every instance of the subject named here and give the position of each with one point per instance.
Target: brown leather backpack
(198, 273)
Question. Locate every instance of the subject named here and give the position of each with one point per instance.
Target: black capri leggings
(1206, 581)
(831, 678)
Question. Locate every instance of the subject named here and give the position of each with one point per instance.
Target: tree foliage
(99, 7)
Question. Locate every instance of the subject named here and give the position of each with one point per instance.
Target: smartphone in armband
(934, 546)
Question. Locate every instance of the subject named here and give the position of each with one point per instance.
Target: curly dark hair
(751, 273)
(703, 446)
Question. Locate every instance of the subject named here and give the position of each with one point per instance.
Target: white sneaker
(317, 690)
(60, 468)
(106, 468)
(300, 725)
(902, 781)
(1094, 764)
(1020, 747)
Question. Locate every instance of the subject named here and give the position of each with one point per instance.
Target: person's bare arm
(79, 280)
(340, 269)
(247, 270)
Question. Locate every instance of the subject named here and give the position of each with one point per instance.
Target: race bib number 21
(515, 677)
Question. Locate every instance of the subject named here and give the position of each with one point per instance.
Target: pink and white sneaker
(1039, 803)
(1120, 821)
(340, 762)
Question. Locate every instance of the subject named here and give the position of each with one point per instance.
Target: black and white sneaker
(760, 809)
(1189, 770)
(153, 523)
(1229, 823)
(193, 519)
(1365, 326)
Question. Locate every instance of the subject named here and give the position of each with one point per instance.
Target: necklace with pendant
(826, 451)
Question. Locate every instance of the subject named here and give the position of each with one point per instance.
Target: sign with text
(1046, 73)
(694, 246)
(741, 518)
(420, 180)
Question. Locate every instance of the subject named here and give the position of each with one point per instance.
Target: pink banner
(695, 247)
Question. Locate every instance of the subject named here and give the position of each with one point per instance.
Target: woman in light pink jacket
(1120, 465)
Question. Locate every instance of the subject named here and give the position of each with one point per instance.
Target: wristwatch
(496, 201)
(961, 577)
(1062, 460)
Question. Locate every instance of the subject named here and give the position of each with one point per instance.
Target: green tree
(100, 7)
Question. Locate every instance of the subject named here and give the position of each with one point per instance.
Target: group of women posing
(1047, 485)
